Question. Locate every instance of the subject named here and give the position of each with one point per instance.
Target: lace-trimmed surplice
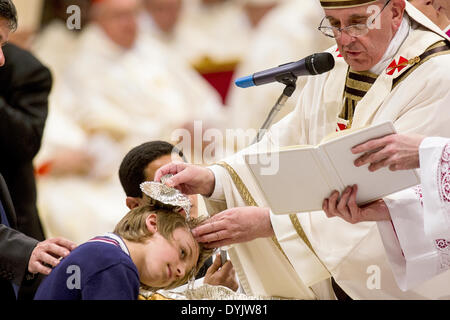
(435, 195)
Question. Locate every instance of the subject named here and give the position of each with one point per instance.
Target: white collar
(122, 244)
(396, 42)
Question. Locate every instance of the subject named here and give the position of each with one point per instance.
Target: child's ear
(150, 222)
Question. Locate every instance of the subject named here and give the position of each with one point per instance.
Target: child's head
(169, 254)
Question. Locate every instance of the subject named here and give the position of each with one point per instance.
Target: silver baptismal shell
(166, 195)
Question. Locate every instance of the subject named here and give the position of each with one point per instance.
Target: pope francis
(393, 64)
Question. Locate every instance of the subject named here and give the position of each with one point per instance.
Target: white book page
(299, 184)
(371, 185)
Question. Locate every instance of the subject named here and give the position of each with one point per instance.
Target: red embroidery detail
(442, 243)
(444, 174)
(419, 193)
(443, 249)
(402, 63)
(341, 127)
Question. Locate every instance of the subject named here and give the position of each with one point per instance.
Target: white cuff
(412, 256)
(218, 193)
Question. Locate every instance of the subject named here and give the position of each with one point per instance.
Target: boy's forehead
(185, 235)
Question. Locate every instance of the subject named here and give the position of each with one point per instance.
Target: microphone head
(319, 63)
(245, 82)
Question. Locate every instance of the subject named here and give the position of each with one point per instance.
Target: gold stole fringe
(356, 86)
(250, 201)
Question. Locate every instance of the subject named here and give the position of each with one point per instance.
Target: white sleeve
(218, 193)
(435, 176)
(412, 255)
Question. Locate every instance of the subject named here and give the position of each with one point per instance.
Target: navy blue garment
(4, 220)
(3, 217)
(93, 271)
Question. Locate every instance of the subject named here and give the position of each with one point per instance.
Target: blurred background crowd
(131, 71)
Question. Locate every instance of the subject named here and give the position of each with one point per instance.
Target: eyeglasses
(354, 30)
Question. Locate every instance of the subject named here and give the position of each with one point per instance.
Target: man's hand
(398, 152)
(49, 252)
(234, 225)
(347, 209)
(188, 178)
(221, 275)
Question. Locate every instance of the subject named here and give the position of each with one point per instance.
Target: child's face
(168, 261)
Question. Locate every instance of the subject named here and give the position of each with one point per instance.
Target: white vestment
(55, 46)
(418, 241)
(317, 247)
(219, 32)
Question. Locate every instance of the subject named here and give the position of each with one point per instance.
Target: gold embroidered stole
(357, 85)
(249, 201)
(437, 49)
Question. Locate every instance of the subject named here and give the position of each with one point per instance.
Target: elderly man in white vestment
(160, 19)
(213, 33)
(56, 41)
(121, 90)
(392, 63)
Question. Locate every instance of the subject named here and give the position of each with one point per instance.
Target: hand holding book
(344, 206)
(306, 175)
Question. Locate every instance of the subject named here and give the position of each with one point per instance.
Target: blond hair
(133, 227)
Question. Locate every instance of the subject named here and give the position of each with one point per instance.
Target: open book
(306, 175)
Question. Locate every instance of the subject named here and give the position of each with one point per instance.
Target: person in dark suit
(24, 88)
(21, 257)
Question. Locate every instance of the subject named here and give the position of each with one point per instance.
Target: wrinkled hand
(49, 252)
(188, 178)
(347, 209)
(234, 225)
(396, 151)
(221, 275)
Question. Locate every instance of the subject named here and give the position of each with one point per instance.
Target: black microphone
(312, 65)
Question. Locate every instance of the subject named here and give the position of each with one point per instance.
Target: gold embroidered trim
(246, 196)
(359, 85)
(300, 232)
(337, 4)
(250, 201)
(418, 61)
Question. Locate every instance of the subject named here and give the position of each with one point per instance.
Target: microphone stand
(290, 81)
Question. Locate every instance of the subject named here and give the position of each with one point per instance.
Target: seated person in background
(140, 165)
(152, 245)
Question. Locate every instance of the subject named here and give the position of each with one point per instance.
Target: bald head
(118, 19)
(164, 13)
(257, 10)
